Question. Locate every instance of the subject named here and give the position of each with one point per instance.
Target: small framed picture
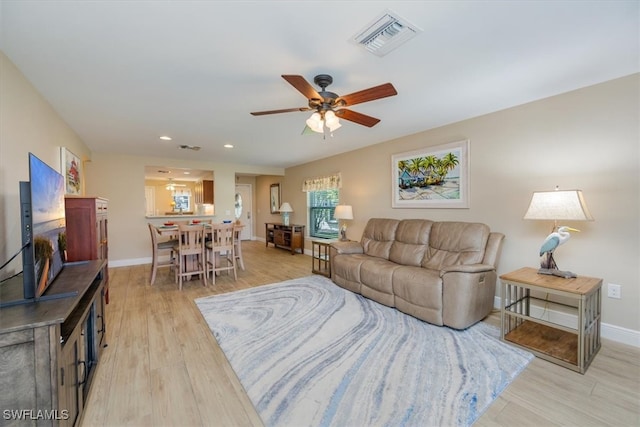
(71, 167)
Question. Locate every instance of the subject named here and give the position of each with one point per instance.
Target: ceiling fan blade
(361, 119)
(302, 85)
(373, 93)
(286, 110)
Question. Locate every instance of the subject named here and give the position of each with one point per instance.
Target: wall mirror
(275, 198)
(175, 191)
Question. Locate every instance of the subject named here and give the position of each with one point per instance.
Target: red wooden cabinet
(87, 231)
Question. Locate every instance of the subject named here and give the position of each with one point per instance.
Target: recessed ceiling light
(165, 138)
(228, 145)
(186, 173)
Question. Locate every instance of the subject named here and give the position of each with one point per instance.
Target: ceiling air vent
(189, 147)
(385, 33)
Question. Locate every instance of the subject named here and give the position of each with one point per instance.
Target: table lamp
(285, 208)
(343, 212)
(557, 205)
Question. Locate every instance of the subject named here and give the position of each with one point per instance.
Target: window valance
(322, 183)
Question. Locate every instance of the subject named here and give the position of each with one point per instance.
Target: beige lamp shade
(286, 207)
(558, 205)
(343, 212)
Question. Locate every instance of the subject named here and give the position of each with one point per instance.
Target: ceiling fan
(171, 185)
(329, 106)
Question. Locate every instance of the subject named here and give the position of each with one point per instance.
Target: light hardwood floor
(162, 366)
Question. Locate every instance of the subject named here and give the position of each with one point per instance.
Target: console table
(49, 349)
(572, 346)
(285, 236)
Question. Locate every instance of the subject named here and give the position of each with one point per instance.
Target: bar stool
(190, 253)
(237, 229)
(160, 248)
(221, 250)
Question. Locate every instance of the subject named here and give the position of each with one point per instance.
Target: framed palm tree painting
(432, 177)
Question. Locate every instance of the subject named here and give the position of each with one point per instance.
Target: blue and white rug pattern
(310, 353)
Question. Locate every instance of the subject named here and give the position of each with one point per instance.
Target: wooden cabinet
(87, 231)
(285, 236)
(207, 192)
(203, 192)
(49, 349)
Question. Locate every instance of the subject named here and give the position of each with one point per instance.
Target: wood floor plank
(172, 397)
(164, 344)
(164, 367)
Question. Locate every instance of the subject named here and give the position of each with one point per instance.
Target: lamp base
(343, 234)
(558, 273)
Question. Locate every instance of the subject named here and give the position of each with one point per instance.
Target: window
(322, 204)
(183, 202)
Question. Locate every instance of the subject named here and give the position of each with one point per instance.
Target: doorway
(150, 201)
(244, 209)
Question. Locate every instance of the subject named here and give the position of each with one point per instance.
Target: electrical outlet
(614, 291)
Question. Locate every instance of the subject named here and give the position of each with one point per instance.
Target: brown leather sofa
(441, 272)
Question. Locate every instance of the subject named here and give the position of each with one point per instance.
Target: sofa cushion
(455, 243)
(418, 292)
(411, 243)
(378, 236)
(376, 277)
(345, 270)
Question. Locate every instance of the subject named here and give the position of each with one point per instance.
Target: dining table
(171, 230)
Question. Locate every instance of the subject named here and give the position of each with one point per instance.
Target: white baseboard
(129, 262)
(610, 332)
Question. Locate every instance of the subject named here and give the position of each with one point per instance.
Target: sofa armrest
(348, 247)
(466, 268)
(468, 292)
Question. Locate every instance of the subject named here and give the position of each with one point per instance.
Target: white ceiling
(123, 73)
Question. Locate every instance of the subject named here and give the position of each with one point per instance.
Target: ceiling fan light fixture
(332, 121)
(334, 126)
(316, 123)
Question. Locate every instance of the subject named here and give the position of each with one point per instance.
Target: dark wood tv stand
(285, 236)
(49, 350)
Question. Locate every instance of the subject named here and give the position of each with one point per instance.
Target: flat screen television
(43, 227)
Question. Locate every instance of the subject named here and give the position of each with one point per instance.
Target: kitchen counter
(178, 216)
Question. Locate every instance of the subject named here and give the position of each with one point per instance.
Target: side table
(568, 346)
(320, 257)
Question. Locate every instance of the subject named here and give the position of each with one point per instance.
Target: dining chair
(190, 253)
(160, 248)
(237, 229)
(221, 250)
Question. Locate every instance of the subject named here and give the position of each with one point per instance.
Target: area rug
(309, 353)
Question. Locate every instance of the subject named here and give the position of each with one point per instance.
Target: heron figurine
(547, 263)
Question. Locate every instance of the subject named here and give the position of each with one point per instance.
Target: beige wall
(27, 124)
(586, 139)
(120, 179)
(263, 208)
